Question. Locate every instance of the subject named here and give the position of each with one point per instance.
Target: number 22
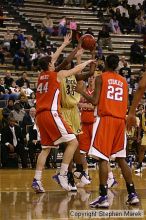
(115, 93)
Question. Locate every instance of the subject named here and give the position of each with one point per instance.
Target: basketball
(88, 42)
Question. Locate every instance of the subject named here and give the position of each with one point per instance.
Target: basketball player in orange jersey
(111, 97)
(53, 129)
(131, 119)
(88, 117)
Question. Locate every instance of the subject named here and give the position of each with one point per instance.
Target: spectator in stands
(8, 78)
(10, 104)
(123, 9)
(73, 24)
(139, 23)
(7, 38)
(20, 82)
(2, 55)
(15, 90)
(133, 13)
(18, 113)
(28, 120)
(121, 63)
(89, 31)
(32, 100)
(62, 29)
(36, 56)
(20, 36)
(124, 24)
(30, 45)
(104, 38)
(4, 92)
(15, 45)
(41, 41)
(22, 58)
(12, 142)
(114, 25)
(47, 24)
(136, 55)
(26, 90)
(24, 101)
(125, 71)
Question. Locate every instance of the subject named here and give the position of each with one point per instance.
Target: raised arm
(67, 40)
(77, 69)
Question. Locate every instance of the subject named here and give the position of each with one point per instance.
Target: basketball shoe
(132, 199)
(63, 181)
(37, 186)
(100, 202)
(84, 178)
(71, 182)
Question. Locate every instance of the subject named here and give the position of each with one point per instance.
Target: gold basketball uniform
(143, 141)
(69, 101)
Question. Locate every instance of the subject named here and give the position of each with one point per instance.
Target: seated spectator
(24, 101)
(8, 79)
(4, 92)
(47, 24)
(125, 24)
(18, 113)
(28, 120)
(22, 58)
(133, 13)
(89, 31)
(7, 38)
(15, 90)
(29, 44)
(20, 37)
(15, 45)
(114, 25)
(36, 56)
(23, 79)
(26, 90)
(12, 143)
(139, 23)
(32, 100)
(62, 29)
(121, 63)
(136, 55)
(73, 24)
(41, 41)
(125, 71)
(104, 38)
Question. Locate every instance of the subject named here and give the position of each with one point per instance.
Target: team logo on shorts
(55, 115)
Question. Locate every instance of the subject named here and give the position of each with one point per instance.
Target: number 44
(42, 87)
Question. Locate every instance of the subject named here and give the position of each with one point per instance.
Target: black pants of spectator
(19, 150)
(33, 150)
(2, 58)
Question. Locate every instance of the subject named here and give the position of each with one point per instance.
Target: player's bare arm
(131, 119)
(67, 40)
(65, 73)
(95, 98)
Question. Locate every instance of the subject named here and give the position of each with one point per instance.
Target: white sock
(110, 175)
(38, 175)
(64, 169)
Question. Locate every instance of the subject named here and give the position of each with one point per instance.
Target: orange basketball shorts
(53, 129)
(85, 137)
(109, 138)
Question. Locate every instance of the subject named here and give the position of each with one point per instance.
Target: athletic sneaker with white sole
(63, 181)
(132, 199)
(71, 182)
(100, 202)
(37, 186)
(85, 179)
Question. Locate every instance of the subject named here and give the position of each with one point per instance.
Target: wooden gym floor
(19, 202)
